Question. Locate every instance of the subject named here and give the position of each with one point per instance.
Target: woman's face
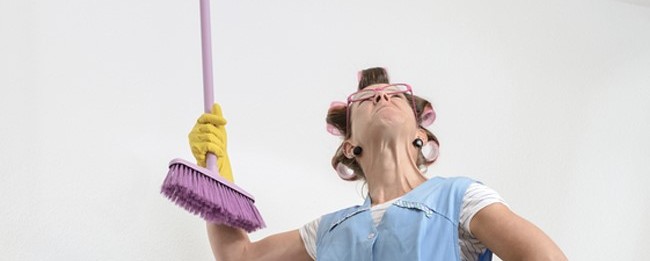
(382, 114)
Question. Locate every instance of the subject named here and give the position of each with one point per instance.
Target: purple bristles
(212, 199)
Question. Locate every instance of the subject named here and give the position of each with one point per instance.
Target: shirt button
(371, 235)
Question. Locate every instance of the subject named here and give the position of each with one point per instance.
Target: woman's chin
(385, 122)
(389, 118)
(387, 125)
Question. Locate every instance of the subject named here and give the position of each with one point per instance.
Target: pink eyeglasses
(369, 93)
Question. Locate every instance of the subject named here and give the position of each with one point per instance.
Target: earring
(357, 151)
(418, 143)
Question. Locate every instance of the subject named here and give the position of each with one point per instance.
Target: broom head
(205, 193)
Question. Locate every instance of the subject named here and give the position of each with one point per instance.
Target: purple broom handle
(208, 94)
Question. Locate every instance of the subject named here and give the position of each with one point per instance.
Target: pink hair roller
(428, 116)
(345, 173)
(331, 128)
(430, 151)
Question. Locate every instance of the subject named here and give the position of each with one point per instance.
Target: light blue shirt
(422, 225)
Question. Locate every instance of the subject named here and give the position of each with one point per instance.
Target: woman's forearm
(512, 237)
(227, 243)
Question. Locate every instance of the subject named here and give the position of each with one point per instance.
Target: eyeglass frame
(376, 91)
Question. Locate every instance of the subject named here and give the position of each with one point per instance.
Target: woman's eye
(397, 95)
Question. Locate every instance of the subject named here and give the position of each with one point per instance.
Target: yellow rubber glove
(209, 135)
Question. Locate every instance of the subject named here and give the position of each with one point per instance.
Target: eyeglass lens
(365, 94)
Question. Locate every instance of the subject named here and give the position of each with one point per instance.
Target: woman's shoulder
(452, 179)
(455, 183)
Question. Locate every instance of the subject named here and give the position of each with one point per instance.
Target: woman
(405, 215)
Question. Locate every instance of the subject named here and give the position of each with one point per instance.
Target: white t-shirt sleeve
(308, 234)
(477, 196)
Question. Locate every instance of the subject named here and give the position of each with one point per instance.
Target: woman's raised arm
(511, 237)
(229, 243)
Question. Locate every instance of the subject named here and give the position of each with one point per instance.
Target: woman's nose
(381, 96)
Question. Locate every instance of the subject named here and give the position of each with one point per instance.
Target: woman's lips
(379, 108)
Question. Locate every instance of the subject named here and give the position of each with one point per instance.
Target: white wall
(548, 102)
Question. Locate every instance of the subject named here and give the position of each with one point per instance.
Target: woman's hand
(227, 243)
(511, 237)
(209, 135)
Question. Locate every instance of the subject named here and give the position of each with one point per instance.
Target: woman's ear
(422, 134)
(347, 149)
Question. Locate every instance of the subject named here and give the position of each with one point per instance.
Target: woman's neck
(390, 169)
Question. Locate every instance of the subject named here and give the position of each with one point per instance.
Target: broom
(202, 191)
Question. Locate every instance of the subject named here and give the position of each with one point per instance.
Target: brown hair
(336, 117)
